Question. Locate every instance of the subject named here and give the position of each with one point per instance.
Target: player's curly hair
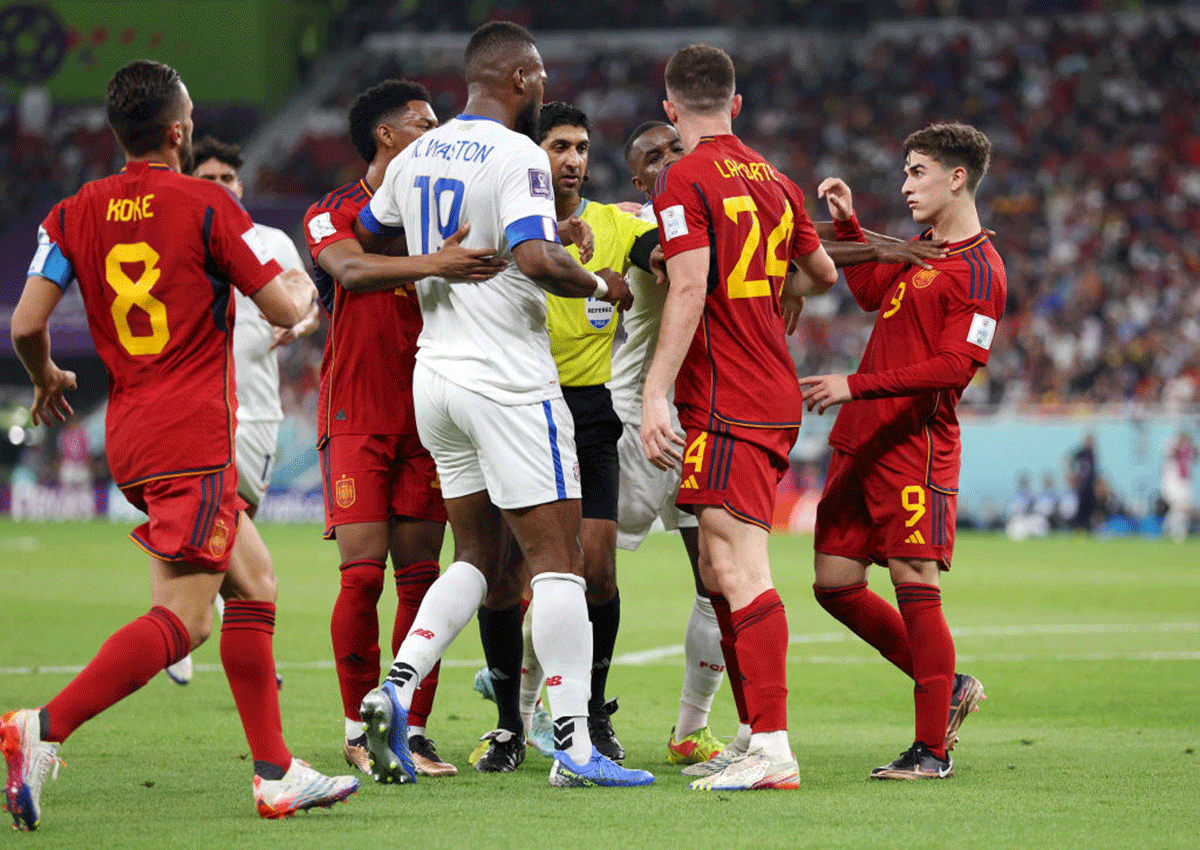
(143, 99)
(700, 78)
(954, 145)
(559, 114)
(213, 148)
(374, 105)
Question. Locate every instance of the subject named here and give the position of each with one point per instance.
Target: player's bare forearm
(30, 326)
(549, 266)
(360, 271)
(682, 310)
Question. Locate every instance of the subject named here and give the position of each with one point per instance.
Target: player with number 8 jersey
(121, 237)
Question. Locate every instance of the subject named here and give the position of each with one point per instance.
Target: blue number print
(431, 207)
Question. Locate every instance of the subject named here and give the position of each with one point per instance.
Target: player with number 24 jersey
(120, 237)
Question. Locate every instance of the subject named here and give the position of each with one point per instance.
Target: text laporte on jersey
(730, 168)
(465, 150)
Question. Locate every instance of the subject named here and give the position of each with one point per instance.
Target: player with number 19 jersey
(161, 316)
(737, 384)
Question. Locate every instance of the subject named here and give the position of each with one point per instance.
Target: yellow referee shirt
(581, 329)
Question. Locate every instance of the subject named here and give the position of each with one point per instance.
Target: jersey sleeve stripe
(986, 265)
(531, 227)
(333, 199)
(220, 287)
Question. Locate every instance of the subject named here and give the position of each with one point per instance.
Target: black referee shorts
(597, 430)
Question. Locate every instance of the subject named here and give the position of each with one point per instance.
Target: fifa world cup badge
(344, 492)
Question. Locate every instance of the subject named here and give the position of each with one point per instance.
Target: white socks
(703, 670)
(448, 606)
(562, 638)
(531, 674)
(774, 744)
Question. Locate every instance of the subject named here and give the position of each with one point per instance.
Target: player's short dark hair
(143, 99)
(490, 42)
(212, 148)
(700, 78)
(637, 133)
(560, 114)
(377, 103)
(954, 145)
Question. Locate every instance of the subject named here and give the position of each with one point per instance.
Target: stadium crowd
(1094, 191)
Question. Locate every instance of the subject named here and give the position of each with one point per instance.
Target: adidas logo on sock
(915, 538)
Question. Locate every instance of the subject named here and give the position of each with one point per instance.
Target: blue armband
(368, 220)
(49, 262)
(531, 227)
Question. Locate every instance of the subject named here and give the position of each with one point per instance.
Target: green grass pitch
(1089, 651)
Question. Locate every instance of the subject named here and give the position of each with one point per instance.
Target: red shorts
(876, 513)
(738, 475)
(192, 518)
(374, 478)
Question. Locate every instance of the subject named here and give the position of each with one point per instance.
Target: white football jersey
(489, 337)
(642, 321)
(255, 365)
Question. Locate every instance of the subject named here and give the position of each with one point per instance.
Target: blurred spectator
(74, 457)
(1083, 481)
(1047, 502)
(1021, 502)
(1176, 485)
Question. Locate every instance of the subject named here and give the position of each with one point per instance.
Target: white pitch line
(665, 653)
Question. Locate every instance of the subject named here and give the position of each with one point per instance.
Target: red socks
(933, 661)
(734, 673)
(246, 636)
(872, 618)
(762, 640)
(412, 582)
(130, 658)
(354, 629)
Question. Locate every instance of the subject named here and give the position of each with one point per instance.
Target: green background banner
(243, 51)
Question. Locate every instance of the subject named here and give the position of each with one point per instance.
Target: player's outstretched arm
(549, 266)
(360, 271)
(688, 271)
(283, 302)
(31, 341)
(575, 231)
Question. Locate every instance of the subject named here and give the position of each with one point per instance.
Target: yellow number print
(895, 301)
(136, 293)
(913, 499)
(736, 283)
(695, 452)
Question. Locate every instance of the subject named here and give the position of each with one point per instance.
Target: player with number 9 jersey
(737, 383)
(121, 238)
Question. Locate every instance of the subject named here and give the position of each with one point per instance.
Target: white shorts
(256, 445)
(522, 454)
(647, 493)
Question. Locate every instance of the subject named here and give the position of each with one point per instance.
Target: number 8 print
(136, 293)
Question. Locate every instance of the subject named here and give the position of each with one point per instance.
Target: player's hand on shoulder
(910, 252)
(837, 194)
(575, 231)
(659, 440)
(618, 290)
(459, 263)
(48, 398)
(824, 391)
(658, 265)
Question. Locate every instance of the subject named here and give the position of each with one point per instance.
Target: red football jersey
(954, 306)
(371, 348)
(737, 375)
(155, 253)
